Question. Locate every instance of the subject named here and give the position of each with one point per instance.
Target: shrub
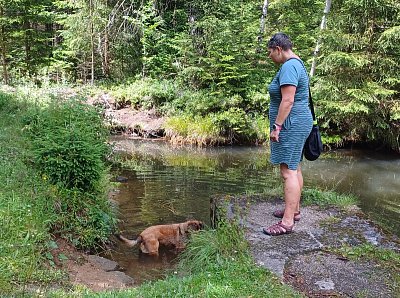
(67, 150)
(146, 93)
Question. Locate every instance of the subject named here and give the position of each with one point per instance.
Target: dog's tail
(129, 242)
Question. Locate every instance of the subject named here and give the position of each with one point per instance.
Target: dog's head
(194, 225)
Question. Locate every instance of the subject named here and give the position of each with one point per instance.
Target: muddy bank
(123, 119)
(92, 271)
(306, 259)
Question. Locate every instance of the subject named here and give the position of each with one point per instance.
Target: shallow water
(168, 184)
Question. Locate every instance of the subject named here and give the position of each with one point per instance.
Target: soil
(91, 271)
(123, 119)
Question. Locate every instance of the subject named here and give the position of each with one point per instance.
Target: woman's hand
(274, 135)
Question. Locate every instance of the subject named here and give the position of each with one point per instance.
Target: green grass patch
(228, 127)
(327, 198)
(387, 257)
(26, 204)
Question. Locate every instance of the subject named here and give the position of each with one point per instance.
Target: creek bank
(305, 259)
(92, 271)
(123, 119)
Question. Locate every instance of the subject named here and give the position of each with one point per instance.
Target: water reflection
(169, 185)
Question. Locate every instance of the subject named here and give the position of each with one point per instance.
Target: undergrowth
(52, 183)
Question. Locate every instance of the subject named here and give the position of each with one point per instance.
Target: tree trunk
(106, 56)
(91, 41)
(322, 27)
(262, 25)
(3, 49)
(27, 39)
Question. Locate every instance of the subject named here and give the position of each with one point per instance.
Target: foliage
(26, 205)
(71, 155)
(67, 151)
(357, 87)
(33, 206)
(85, 219)
(25, 33)
(146, 94)
(206, 56)
(217, 128)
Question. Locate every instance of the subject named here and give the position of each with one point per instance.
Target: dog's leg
(152, 247)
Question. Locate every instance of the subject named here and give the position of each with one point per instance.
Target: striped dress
(297, 126)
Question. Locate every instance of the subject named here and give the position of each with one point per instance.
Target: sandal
(280, 213)
(278, 229)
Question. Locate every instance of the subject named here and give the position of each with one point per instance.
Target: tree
(322, 27)
(358, 86)
(3, 42)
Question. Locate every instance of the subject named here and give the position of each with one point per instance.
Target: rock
(103, 263)
(121, 179)
(303, 259)
(122, 277)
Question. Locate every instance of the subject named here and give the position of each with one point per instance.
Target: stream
(169, 184)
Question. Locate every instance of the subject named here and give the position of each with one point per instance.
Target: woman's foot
(278, 229)
(280, 213)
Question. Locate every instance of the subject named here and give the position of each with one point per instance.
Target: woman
(291, 122)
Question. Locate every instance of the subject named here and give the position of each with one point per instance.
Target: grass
(217, 263)
(193, 130)
(25, 205)
(327, 198)
(386, 258)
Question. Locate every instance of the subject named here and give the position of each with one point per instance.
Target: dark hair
(280, 40)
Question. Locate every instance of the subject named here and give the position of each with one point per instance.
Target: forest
(206, 61)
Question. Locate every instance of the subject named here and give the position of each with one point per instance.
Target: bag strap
(310, 101)
(311, 104)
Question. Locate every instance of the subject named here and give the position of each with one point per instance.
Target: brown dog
(168, 235)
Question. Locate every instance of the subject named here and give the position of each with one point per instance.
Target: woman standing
(291, 122)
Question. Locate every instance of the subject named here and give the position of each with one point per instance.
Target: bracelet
(276, 127)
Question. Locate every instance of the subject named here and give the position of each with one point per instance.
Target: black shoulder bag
(313, 146)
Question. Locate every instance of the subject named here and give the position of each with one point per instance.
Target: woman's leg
(300, 179)
(293, 184)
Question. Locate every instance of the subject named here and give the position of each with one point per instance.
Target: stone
(103, 263)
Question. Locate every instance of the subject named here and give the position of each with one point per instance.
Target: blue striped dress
(297, 126)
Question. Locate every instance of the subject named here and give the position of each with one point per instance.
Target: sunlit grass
(192, 130)
(327, 198)
(25, 205)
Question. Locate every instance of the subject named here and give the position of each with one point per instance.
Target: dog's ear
(201, 225)
(195, 225)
